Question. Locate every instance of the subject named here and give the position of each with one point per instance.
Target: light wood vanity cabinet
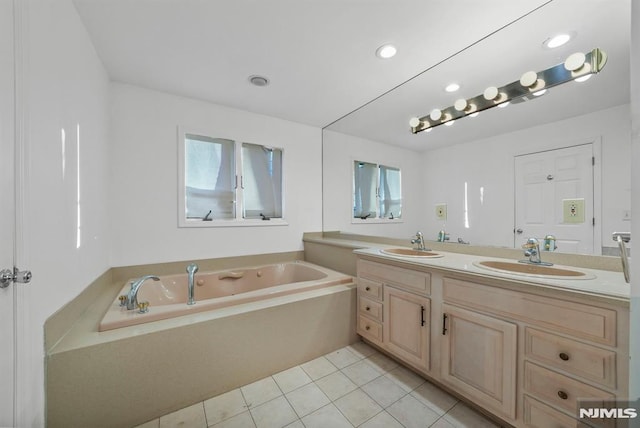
(394, 311)
(479, 358)
(527, 356)
(406, 326)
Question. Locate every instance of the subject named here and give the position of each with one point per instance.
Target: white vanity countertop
(606, 284)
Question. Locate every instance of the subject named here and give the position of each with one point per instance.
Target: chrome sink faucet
(419, 240)
(532, 250)
(132, 297)
(191, 272)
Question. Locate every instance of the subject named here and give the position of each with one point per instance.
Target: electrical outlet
(573, 210)
(441, 211)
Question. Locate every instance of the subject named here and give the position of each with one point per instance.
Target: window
(377, 192)
(227, 182)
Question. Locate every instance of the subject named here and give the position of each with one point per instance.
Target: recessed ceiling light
(386, 51)
(452, 87)
(258, 80)
(557, 40)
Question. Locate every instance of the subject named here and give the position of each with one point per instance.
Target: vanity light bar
(577, 65)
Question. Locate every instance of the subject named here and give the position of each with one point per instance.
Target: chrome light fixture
(578, 67)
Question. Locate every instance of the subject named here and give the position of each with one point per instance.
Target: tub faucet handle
(143, 307)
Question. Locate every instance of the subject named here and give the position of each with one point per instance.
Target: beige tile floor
(355, 386)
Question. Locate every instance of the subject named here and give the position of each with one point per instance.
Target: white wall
(144, 186)
(65, 87)
(339, 152)
(489, 164)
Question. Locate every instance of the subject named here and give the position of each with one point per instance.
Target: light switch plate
(441, 211)
(573, 210)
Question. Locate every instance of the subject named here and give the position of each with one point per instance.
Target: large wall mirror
(509, 173)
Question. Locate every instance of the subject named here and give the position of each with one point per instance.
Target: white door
(554, 195)
(7, 212)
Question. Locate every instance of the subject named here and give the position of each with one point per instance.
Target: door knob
(7, 276)
(519, 231)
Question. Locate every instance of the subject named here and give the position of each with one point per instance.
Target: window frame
(238, 220)
(377, 219)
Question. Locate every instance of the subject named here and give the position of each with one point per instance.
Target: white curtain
(364, 187)
(209, 177)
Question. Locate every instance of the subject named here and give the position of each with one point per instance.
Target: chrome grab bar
(621, 238)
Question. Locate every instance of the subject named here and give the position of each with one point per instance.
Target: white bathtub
(168, 297)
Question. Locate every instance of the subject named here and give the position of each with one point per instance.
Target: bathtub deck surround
(135, 368)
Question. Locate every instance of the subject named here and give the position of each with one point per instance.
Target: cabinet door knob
(367, 328)
(368, 308)
(367, 288)
(564, 356)
(563, 395)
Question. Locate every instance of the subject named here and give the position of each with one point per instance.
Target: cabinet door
(479, 358)
(406, 326)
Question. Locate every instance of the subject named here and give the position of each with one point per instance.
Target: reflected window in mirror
(226, 182)
(377, 192)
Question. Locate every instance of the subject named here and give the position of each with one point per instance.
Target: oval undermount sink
(408, 252)
(527, 269)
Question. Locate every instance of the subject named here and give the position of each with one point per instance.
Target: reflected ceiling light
(578, 67)
(503, 105)
(557, 41)
(452, 87)
(386, 51)
(474, 114)
(449, 123)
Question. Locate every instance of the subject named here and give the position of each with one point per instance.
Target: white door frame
(25, 356)
(597, 183)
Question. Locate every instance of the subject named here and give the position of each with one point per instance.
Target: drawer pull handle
(367, 328)
(563, 395)
(422, 315)
(367, 288)
(444, 324)
(563, 356)
(368, 308)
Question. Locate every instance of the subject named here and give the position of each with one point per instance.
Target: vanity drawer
(370, 308)
(404, 278)
(573, 357)
(540, 415)
(369, 328)
(369, 288)
(559, 390)
(576, 319)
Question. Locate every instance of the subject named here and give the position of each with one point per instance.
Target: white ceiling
(318, 54)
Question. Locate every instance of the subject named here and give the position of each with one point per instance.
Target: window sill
(376, 221)
(233, 223)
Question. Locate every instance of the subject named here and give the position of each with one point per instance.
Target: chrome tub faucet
(191, 273)
(132, 297)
